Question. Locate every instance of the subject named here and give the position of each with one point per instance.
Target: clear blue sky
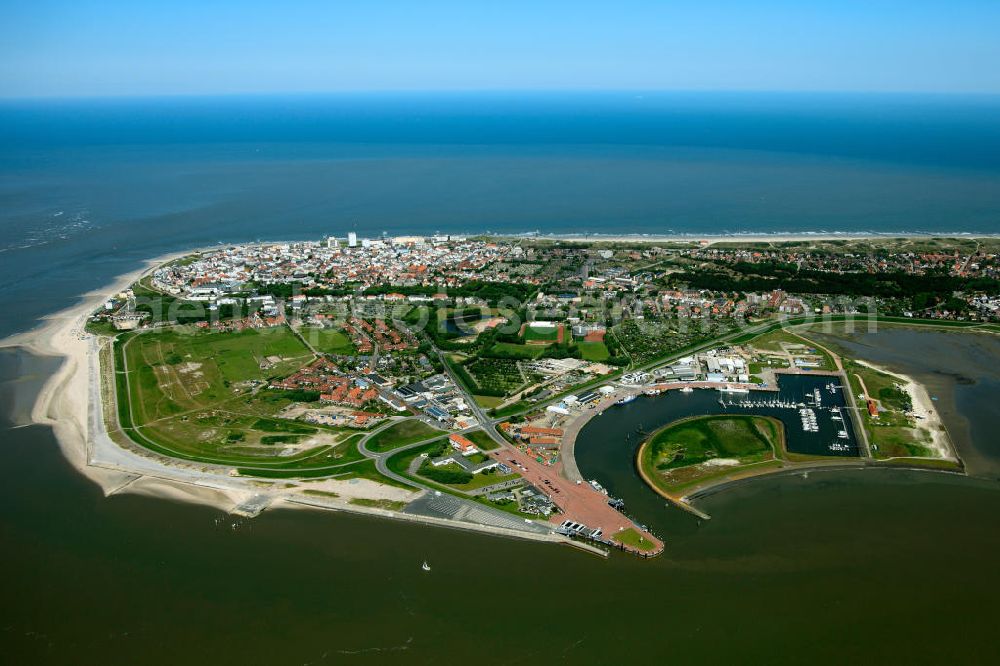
(137, 47)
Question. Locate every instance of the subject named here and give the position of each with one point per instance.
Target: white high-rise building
(352, 239)
(332, 242)
(365, 242)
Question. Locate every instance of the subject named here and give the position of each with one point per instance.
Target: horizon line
(402, 92)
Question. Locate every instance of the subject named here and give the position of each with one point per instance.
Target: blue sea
(89, 188)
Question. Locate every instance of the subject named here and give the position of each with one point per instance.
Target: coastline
(63, 400)
(66, 404)
(923, 409)
(67, 401)
(72, 404)
(748, 237)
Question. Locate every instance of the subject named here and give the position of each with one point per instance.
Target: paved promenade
(577, 501)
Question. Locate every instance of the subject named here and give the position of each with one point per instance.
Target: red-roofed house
(462, 445)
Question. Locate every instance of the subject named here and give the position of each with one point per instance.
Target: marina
(812, 409)
(809, 405)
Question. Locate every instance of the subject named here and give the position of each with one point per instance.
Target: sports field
(540, 335)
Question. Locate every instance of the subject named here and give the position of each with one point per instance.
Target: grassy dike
(340, 460)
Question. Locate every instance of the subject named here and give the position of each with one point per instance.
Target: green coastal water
(858, 566)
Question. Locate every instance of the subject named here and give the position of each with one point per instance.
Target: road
(757, 329)
(438, 504)
(576, 500)
(485, 422)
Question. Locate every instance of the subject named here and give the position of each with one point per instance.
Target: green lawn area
(487, 401)
(391, 505)
(400, 434)
(510, 409)
(364, 469)
(101, 328)
(673, 457)
(400, 462)
(175, 370)
(186, 394)
(593, 351)
(692, 441)
(775, 340)
(520, 351)
(328, 340)
(482, 440)
(631, 538)
(484, 479)
(680, 488)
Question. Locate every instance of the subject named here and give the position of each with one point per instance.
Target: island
(446, 379)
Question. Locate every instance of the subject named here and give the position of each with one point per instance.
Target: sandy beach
(923, 409)
(63, 401)
(65, 404)
(70, 402)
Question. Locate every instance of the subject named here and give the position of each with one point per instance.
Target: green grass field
(696, 440)
(630, 538)
(390, 505)
(593, 351)
(174, 371)
(400, 434)
(190, 395)
(487, 401)
(328, 340)
(400, 462)
(485, 479)
(482, 440)
(519, 351)
(673, 457)
(775, 341)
